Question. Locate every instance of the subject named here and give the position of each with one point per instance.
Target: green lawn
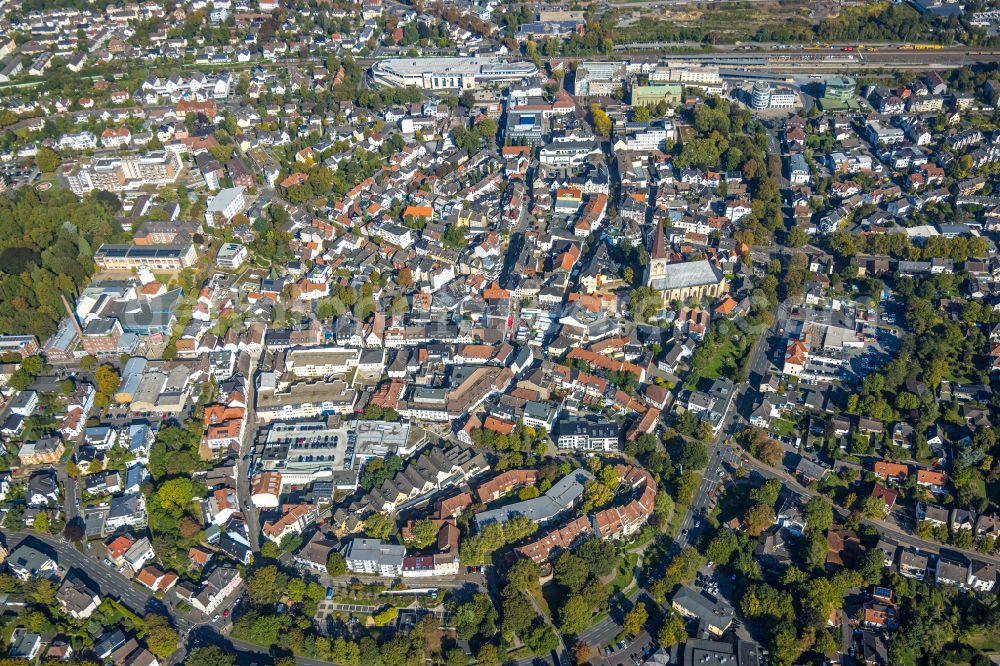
(598, 617)
(984, 641)
(723, 362)
(783, 427)
(680, 510)
(543, 603)
(625, 573)
(993, 492)
(712, 369)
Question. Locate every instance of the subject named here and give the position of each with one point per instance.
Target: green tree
(673, 631)
(455, 657)
(385, 616)
(797, 237)
(517, 615)
(682, 569)
(378, 526)
(767, 493)
(819, 514)
(41, 524)
(488, 655)
(524, 575)
(335, 564)
(722, 547)
(870, 566)
(476, 617)
(424, 533)
(175, 495)
(296, 589)
(541, 640)
(574, 616)
(635, 619)
(758, 518)
(693, 455)
(347, 652)
(600, 119)
(599, 556)
(46, 159)
(107, 379)
(161, 639)
(210, 655)
(265, 585)
(687, 485)
(571, 572)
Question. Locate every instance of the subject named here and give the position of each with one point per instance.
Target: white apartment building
(587, 435)
(119, 174)
(224, 206)
(80, 141)
(687, 73)
(371, 556)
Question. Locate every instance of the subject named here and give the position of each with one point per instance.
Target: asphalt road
(250, 513)
(719, 454)
(885, 528)
(109, 581)
(71, 493)
(605, 631)
(248, 654)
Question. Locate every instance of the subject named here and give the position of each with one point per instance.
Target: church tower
(657, 256)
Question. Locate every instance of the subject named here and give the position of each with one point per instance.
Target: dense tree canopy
(47, 243)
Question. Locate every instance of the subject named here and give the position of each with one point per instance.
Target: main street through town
(109, 583)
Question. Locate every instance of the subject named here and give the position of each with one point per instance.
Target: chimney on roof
(72, 316)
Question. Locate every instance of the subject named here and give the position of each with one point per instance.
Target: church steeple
(658, 259)
(659, 250)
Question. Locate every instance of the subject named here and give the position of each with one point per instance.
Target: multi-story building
(41, 452)
(764, 96)
(598, 78)
(439, 564)
(696, 74)
(448, 73)
(154, 257)
(562, 496)
(504, 482)
(25, 345)
(76, 599)
(525, 127)
(294, 520)
(231, 255)
(568, 154)
(655, 93)
(101, 336)
(312, 362)
(27, 562)
(302, 400)
(588, 435)
(224, 206)
(217, 587)
(371, 556)
(123, 173)
(644, 137)
(302, 452)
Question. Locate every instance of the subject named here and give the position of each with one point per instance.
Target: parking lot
(93, 520)
(17, 176)
(709, 580)
(626, 653)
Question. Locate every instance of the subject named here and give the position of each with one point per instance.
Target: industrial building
(448, 73)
